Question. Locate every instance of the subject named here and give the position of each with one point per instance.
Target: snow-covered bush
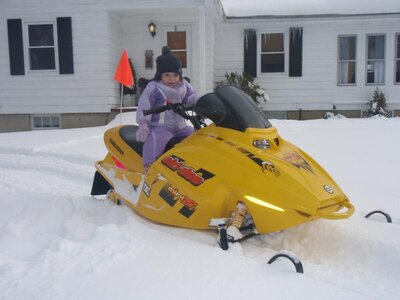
(331, 115)
(245, 82)
(377, 105)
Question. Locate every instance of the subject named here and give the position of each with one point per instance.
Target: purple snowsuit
(168, 124)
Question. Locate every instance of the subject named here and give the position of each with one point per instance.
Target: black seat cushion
(128, 134)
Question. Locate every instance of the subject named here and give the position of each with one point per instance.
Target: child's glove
(142, 133)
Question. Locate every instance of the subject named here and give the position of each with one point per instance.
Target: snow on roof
(240, 8)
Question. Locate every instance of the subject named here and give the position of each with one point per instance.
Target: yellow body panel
(205, 176)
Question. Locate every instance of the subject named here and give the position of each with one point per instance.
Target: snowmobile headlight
(261, 144)
(263, 203)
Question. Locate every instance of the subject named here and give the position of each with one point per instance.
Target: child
(167, 86)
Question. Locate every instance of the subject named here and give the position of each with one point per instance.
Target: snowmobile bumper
(337, 214)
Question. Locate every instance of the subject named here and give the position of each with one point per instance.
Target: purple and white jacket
(155, 95)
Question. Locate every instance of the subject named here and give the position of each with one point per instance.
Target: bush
(377, 105)
(245, 82)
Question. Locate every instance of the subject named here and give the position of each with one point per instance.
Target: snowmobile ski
(385, 214)
(290, 256)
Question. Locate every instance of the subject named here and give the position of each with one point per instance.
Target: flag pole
(120, 108)
(124, 76)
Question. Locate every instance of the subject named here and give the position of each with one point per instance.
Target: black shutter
(65, 52)
(295, 51)
(15, 47)
(250, 52)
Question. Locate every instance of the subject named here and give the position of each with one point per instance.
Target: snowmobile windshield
(231, 108)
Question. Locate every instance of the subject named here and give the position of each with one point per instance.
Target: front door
(178, 39)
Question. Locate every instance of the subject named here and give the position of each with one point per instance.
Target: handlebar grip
(155, 110)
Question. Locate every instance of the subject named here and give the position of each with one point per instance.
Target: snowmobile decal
(172, 195)
(118, 148)
(265, 165)
(297, 160)
(268, 166)
(146, 189)
(177, 164)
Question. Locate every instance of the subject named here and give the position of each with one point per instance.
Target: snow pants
(158, 139)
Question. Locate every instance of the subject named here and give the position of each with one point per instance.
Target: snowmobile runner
(237, 174)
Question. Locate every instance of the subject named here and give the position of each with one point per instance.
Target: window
(272, 53)
(375, 59)
(176, 40)
(397, 60)
(46, 122)
(347, 60)
(41, 47)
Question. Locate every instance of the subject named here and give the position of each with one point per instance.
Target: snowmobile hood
(261, 168)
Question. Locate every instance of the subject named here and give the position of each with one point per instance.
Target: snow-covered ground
(58, 242)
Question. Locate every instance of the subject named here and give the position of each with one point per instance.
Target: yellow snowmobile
(237, 174)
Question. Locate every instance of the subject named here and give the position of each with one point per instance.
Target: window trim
(349, 60)
(384, 59)
(28, 69)
(285, 52)
(396, 57)
(44, 116)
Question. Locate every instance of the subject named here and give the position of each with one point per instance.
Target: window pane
(347, 74)
(46, 122)
(176, 40)
(182, 57)
(41, 35)
(347, 48)
(37, 122)
(42, 58)
(272, 42)
(398, 71)
(271, 63)
(375, 72)
(55, 122)
(376, 47)
(398, 46)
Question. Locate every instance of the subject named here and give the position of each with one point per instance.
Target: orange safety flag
(124, 72)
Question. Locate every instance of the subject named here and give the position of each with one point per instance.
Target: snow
(237, 8)
(58, 242)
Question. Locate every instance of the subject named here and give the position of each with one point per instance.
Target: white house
(58, 58)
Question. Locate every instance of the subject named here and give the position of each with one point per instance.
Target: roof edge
(308, 16)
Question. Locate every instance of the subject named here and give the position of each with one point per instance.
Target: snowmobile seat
(128, 134)
(172, 142)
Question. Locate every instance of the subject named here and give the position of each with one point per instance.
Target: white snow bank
(58, 242)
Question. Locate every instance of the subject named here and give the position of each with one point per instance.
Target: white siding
(210, 46)
(136, 39)
(101, 30)
(317, 88)
(49, 92)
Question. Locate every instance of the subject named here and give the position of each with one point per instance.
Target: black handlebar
(156, 110)
(178, 108)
